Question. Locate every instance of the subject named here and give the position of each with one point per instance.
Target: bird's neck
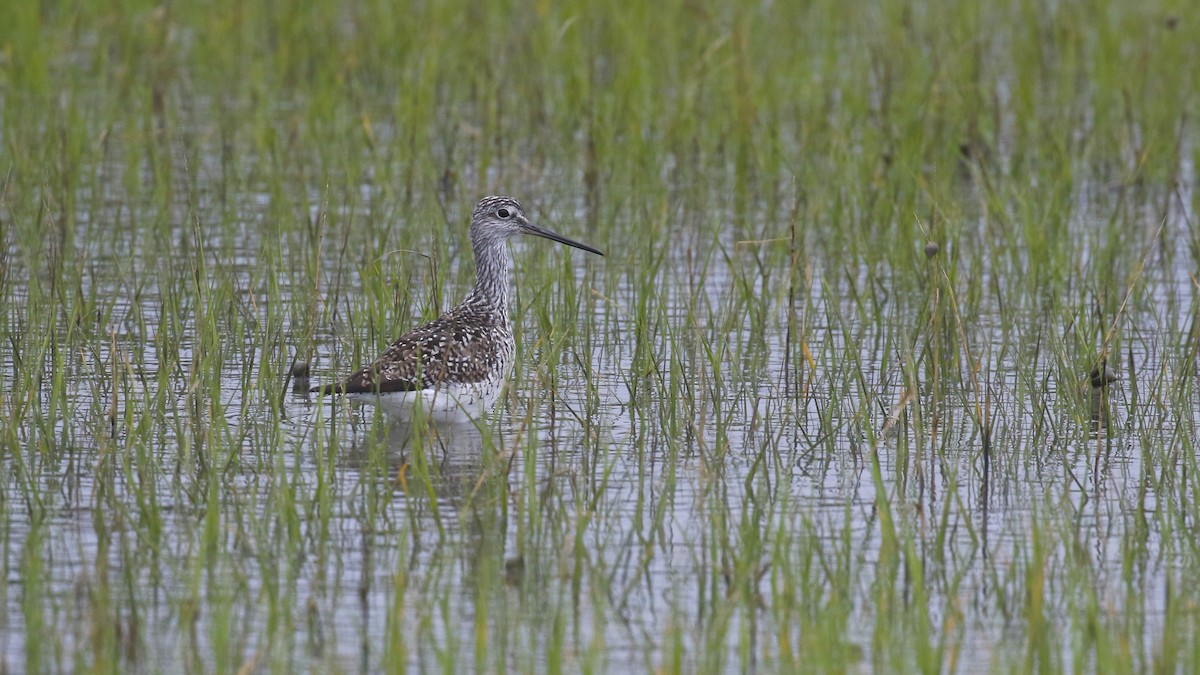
(492, 263)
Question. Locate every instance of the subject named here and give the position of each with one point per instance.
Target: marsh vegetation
(824, 405)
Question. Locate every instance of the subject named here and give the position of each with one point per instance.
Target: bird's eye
(503, 213)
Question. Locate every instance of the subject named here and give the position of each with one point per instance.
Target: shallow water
(592, 505)
(668, 467)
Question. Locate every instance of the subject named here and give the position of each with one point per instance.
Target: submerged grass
(771, 430)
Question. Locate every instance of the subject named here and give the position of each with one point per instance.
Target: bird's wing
(422, 358)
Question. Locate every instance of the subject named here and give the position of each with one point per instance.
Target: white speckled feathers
(466, 345)
(458, 362)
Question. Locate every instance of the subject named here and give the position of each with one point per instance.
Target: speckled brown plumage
(467, 353)
(464, 345)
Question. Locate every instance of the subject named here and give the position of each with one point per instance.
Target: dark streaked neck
(492, 263)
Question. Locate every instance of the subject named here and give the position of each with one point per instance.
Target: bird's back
(465, 346)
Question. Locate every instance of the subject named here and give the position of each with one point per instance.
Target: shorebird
(1098, 394)
(454, 367)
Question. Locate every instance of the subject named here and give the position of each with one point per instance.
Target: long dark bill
(530, 228)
